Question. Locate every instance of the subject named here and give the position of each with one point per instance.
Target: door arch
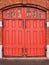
(24, 32)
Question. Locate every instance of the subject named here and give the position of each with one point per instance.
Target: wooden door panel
(14, 35)
(35, 37)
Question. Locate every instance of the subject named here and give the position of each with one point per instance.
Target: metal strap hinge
(3, 24)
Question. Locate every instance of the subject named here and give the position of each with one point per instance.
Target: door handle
(23, 23)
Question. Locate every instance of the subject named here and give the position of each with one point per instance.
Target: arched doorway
(24, 32)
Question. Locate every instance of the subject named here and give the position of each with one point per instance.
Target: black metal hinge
(45, 49)
(45, 24)
(3, 24)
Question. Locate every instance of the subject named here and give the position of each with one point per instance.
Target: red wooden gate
(24, 32)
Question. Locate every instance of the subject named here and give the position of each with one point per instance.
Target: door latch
(24, 51)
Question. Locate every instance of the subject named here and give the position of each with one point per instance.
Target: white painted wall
(47, 51)
(0, 45)
(47, 24)
(0, 23)
(0, 51)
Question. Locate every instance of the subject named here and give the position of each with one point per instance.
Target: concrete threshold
(29, 58)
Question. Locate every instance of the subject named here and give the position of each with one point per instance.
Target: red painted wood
(35, 37)
(24, 36)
